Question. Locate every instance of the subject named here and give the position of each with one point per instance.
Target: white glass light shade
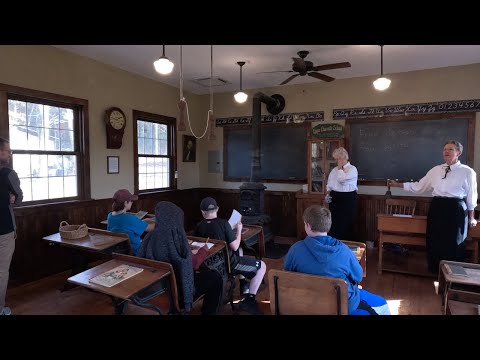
(240, 97)
(382, 83)
(163, 66)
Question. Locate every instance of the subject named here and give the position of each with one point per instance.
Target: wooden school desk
(361, 254)
(412, 231)
(127, 290)
(97, 241)
(460, 293)
(249, 231)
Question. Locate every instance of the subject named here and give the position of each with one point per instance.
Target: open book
(354, 248)
(141, 214)
(235, 218)
(116, 275)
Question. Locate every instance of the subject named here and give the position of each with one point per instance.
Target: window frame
(172, 147)
(80, 133)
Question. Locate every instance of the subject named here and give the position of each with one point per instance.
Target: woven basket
(72, 231)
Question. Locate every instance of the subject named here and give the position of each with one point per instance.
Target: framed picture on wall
(113, 165)
(189, 148)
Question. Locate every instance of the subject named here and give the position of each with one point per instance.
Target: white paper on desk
(235, 218)
(202, 244)
(402, 215)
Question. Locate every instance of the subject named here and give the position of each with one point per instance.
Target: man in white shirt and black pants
(455, 195)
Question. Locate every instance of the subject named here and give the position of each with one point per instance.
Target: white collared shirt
(460, 182)
(344, 180)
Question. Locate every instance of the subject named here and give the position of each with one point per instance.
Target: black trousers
(446, 231)
(209, 283)
(344, 209)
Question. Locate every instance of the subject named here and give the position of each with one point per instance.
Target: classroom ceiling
(364, 60)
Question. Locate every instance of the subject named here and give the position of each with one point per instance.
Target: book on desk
(453, 269)
(116, 275)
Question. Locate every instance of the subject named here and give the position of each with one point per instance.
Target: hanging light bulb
(163, 65)
(240, 96)
(382, 83)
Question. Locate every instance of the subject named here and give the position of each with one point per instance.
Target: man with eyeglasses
(10, 193)
(454, 190)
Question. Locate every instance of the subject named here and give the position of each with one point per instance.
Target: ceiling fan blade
(271, 72)
(321, 76)
(289, 79)
(299, 63)
(332, 66)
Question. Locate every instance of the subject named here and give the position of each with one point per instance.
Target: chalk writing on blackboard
(408, 109)
(272, 119)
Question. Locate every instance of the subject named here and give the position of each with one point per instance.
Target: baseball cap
(208, 204)
(123, 195)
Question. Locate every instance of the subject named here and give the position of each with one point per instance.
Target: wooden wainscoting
(34, 259)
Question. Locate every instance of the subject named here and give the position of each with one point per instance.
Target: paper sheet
(402, 215)
(202, 244)
(235, 218)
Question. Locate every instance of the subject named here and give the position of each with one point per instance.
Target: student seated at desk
(168, 242)
(129, 224)
(254, 269)
(320, 254)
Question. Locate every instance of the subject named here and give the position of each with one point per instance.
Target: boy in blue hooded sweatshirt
(320, 254)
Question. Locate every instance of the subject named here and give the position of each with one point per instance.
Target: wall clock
(115, 122)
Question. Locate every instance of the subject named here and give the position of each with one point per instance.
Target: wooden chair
(293, 293)
(400, 206)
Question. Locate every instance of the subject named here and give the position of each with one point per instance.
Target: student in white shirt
(454, 190)
(342, 191)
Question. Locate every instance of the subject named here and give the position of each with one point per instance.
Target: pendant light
(240, 97)
(163, 65)
(382, 83)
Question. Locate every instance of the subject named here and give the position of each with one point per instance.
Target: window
(47, 137)
(154, 152)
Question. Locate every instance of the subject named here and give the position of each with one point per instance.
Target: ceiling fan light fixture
(382, 83)
(163, 65)
(240, 96)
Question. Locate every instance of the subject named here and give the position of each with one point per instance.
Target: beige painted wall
(50, 69)
(53, 70)
(452, 83)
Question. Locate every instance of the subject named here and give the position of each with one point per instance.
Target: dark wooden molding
(172, 150)
(81, 128)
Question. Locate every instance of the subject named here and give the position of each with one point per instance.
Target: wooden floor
(406, 295)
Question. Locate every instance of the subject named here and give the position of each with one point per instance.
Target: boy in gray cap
(254, 269)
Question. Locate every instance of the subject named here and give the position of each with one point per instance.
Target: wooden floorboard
(406, 294)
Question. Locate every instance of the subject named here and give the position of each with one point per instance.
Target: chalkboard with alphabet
(406, 148)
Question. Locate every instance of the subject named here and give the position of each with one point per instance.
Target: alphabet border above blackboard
(294, 118)
(408, 109)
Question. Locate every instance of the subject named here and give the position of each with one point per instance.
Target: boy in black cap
(253, 269)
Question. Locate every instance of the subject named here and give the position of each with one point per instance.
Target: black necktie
(447, 170)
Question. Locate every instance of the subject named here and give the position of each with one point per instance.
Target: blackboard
(283, 153)
(404, 149)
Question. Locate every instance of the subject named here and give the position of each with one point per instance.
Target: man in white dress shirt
(454, 190)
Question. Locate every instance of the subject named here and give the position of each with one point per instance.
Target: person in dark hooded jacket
(168, 242)
(320, 254)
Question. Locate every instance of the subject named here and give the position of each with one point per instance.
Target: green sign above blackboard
(323, 131)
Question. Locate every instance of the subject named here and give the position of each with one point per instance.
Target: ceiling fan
(304, 67)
